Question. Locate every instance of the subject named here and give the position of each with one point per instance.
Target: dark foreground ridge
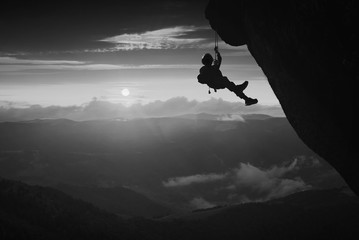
(33, 212)
(309, 52)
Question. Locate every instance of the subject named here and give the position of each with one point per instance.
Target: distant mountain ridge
(223, 117)
(118, 200)
(199, 116)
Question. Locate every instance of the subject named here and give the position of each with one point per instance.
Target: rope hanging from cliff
(215, 43)
(215, 55)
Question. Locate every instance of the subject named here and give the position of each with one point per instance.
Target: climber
(212, 76)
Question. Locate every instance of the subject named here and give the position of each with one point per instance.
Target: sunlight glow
(125, 92)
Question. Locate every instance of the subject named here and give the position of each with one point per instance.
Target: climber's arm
(219, 57)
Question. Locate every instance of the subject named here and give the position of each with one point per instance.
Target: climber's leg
(229, 85)
(248, 101)
(242, 86)
(238, 90)
(233, 87)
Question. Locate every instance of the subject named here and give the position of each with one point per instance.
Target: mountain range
(159, 166)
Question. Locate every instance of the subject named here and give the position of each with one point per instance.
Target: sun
(125, 92)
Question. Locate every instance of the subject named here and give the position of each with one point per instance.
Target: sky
(133, 52)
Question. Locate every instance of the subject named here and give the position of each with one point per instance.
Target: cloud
(247, 182)
(165, 38)
(13, 64)
(230, 117)
(178, 37)
(265, 184)
(188, 180)
(48, 66)
(9, 113)
(14, 60)
(200, 203)
(308, 162)
(100, 109)
(93, 67)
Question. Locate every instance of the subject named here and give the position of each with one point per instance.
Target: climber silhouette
(212, 76)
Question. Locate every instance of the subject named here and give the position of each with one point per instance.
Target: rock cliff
(308, 51)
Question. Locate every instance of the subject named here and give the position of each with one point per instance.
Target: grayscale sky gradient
(58, 53)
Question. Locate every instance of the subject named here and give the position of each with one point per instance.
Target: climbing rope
(215, 55)
(215, 43)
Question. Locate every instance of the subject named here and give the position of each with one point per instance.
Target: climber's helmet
(207, 59)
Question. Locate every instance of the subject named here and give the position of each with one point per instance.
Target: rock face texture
(309, 52)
